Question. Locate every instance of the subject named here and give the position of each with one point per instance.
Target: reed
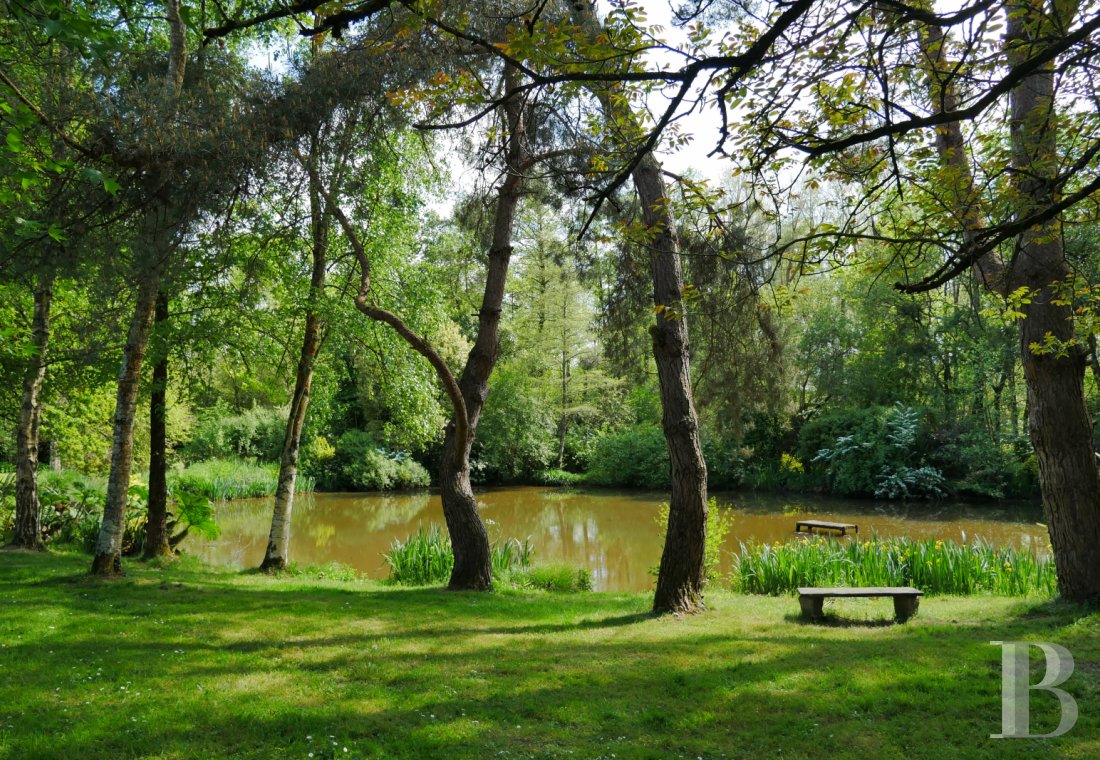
(934, 566)
(224, 479)
(425, 558)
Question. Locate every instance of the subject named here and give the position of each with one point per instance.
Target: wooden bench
(906, 599)
(809, 525)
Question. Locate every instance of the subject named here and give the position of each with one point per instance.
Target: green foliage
(426, 558)
(360, 464)
(555, 477)
(935, 567)
(719, 523)
(636, 456)
(515, 434)
(255, 433)
(333, 571)
(880, 458)
(223, 479)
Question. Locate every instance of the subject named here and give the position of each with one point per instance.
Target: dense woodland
(388, 245)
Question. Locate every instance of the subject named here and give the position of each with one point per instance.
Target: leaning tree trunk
(472, 568)
(682, 572)
(278, 541)
(108, 549)
(1053, 358)
(28, 520)
(156, 532)
(154, 239)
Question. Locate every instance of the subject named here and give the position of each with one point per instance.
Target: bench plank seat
(807, 526)
(906, 599)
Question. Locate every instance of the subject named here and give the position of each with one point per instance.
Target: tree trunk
(682, 573)
(28, 519)
(278, 541)
(156, 530)
(108, 550)
(470, 541)
(1058, 418)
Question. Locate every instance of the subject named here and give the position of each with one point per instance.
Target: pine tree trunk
(28, 519)
(108, 550)
(156, 531)
(1058, 418)
(278, 541)
(469, 539)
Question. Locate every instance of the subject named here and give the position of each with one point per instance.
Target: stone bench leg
(905, 607)
(811, 607)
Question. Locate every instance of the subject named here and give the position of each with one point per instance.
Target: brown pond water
(613, 533)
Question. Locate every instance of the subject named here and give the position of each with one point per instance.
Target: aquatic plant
(934, 566)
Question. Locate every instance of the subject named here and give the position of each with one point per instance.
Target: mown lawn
(189, 662)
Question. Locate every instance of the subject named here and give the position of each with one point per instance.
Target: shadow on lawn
(427, 673)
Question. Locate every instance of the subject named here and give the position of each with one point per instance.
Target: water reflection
(614, 534)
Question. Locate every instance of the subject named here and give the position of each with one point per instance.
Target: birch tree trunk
(108, 549)
(154, 247)
(28, 519)
(278, 542)
(156, 531)
(682, 572)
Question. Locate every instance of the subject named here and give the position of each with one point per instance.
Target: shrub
(256, 433)
(719, 522)
(516, 433)
(881, 458)
(935, 567)
(362, 465)
(634, 457)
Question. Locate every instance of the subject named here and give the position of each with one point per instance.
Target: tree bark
(469, 539)
(154, 239)
(28, 519)
(156, 531)
(682, 573)
(278, 542)
(108, 550)
(1058, 418)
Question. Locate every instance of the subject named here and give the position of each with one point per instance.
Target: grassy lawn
(189, 662)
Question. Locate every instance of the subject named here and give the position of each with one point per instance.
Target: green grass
(223, 479)
(188, 662)
(935, 567)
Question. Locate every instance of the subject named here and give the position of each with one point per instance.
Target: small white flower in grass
(311, 754)
(345, 749)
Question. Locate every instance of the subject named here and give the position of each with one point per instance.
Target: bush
(719, 522)
(516, 433)
(881, 458)
(257, 433)
(636, 457)
(426, 558)
(360, 464)
(72, 510)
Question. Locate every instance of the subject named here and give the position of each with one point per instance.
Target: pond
(613, 533)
